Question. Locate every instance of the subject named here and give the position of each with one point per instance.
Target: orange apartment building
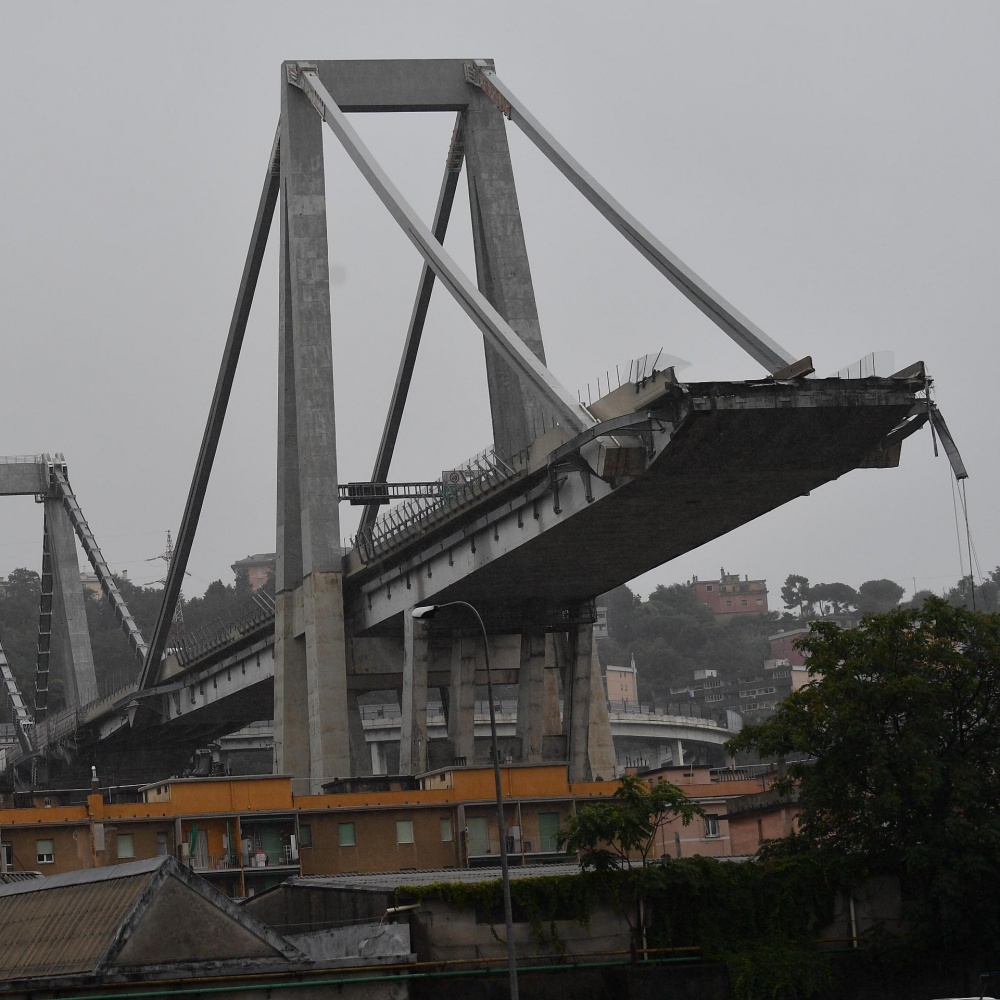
(248, 834)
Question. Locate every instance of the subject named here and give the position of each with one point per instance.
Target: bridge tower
(63, 636)
(312, 647)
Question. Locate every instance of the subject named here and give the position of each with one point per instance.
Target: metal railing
(480, 475)
(639, 369)
(243, 621)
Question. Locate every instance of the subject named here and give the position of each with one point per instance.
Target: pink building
(258, 568)
(717, 791)
(621, 686)
(783, 646)
(729, 595)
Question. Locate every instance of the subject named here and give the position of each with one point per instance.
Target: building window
(305, 835)
(711, 825)
(548, 830)
(743, 602)
(760, 601)
(729, 604)
(8, 855)
(445, 829)
(347, 835)
(125, 846)
(708, 586)
(45, 852)
(404, 831)
(161, 845)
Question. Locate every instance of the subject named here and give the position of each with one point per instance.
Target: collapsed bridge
(570, 501)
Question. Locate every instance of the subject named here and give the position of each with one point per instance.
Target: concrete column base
(413, 699)
(531, 698)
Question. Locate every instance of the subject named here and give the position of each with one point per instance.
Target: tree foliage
(898, 740)
(982, 596)
(673, 634)
(795, 593)
(619, 832)
(114, 662)
(879, 596)
(833, 598)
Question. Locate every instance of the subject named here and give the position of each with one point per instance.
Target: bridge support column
(531, 698)
(462, 697)
(552, 717)
(503, 273)
(587, 728)
(678, 752)
(291, 737)
(310, 671)
(600, 743)
(70, 633)
(413, 701)
(361, 758)
(377, 758)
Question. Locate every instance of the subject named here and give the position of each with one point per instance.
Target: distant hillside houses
(750, 696)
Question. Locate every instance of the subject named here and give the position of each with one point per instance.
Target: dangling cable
(968, 537)
(987, 600)
(958, 530)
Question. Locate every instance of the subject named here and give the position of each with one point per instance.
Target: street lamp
(428, 611)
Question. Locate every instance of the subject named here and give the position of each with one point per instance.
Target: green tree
(899, 746)
(879, 596)
(622, 605)
(919, 598)
(795, 594)
(979, 596)
(19, 596)
(619, 833)
(614, 839)
(833, 598)
(115, 663)
(673, 634)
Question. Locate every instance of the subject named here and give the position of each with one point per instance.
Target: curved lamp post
(428, 611)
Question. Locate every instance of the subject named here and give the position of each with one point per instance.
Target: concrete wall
(358, 940)
(442, 932)
(748, 829)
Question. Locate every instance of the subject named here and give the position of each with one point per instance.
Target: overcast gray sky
(830, 168)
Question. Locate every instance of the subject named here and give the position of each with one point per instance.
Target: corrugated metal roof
(390, 881)
(65, 928)
(83, 876)
(7, 878)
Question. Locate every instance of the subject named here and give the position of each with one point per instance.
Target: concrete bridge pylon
(311, 656)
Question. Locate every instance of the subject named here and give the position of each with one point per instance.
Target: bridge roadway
(639, 734)
(567, 525)
(670, 467)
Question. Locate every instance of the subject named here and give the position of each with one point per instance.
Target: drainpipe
(95, 813)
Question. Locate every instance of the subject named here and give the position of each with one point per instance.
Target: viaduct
(569, 502)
